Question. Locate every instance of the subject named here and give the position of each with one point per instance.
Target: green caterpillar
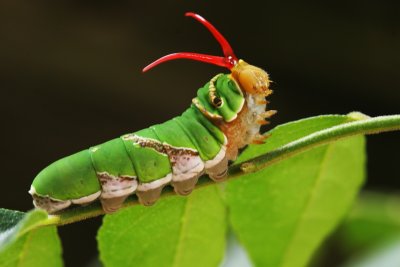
(226, 115)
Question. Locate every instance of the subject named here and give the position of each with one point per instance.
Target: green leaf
(22, 243)
(9, 218)
(373, 221)
(176, 231)
(282, 213)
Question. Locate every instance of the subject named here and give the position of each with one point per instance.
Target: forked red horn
(229, 60)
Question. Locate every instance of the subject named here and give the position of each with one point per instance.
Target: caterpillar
(225, 116)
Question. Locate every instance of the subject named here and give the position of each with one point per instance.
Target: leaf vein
(308, 203)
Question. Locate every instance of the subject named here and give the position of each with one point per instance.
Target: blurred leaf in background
(24, 245)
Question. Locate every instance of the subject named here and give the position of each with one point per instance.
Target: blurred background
(70, 76)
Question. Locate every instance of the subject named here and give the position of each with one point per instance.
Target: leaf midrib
(182, 229)
(307, 205)
(22, 255)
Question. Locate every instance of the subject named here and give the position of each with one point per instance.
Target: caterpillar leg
(149, 193)
(268, 114)
(261, 118)
(111, 205)
(187, 167)
(217, 168)
(259, 139)
(115, 190)
(185, 187)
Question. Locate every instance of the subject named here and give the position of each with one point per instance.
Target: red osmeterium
(219, 61)
(226, 47)
(229, 60)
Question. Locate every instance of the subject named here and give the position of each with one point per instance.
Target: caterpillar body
(226, 115)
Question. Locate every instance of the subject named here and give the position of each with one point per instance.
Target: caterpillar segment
(143, 162)
(225, 116)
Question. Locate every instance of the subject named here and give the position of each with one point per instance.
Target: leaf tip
(358, 116)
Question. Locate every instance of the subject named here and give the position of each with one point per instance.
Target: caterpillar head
(251, 79)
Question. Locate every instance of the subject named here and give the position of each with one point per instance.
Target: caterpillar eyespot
(225, 116)
(217, 102)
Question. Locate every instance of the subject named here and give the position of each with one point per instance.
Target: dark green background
(70, 76)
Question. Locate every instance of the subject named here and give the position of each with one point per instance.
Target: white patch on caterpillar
(155, 184)
(94, 149)
(87, 199)
(217, 159)
(225, 139)
(116, 186)
(186, 162)
(47, 203)
(255, 110)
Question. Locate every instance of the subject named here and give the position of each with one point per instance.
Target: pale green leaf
(373, 221)
(386, 255)
(23, 244)
(175, 232)
(282, 213)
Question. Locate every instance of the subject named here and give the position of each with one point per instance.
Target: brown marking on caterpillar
(49, 204)
(149, 143)
(175, 153)
(235, 132)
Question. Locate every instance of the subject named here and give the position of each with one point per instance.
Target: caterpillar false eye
(226, 115)
(217, 102)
